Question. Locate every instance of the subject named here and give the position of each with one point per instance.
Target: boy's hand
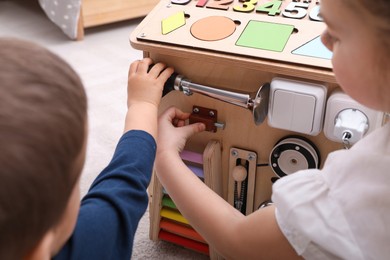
(144, 86)
(144, 91)
(173, 131)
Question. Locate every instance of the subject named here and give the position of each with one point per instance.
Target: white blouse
(343, 210)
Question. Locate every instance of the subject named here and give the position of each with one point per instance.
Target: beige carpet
(102, 60)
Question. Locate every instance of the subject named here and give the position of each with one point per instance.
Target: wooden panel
(155, 191)
(212, 166)
(240, 130)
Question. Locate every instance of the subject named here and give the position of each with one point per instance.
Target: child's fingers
(174, 113)
(180, 114)
(133, 67)
(144, 64)
(138, 65)
(178, 117)
(181, 123)
(166, 73)
(192, 129)
(156, 69)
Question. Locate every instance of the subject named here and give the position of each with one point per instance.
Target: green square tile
(265, 35)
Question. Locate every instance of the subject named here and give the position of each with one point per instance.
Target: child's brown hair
(43, 112)
(379, 15)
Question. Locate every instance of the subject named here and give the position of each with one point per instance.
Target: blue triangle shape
(314, 48)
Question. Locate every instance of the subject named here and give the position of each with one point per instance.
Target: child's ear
(43, 250)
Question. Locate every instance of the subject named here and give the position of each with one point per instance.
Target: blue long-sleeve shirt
(110, 212)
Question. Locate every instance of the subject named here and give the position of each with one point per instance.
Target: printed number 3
(247, 6)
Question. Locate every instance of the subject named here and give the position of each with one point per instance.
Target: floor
(102, 60)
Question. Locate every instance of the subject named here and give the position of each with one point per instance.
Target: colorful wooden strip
(197, 171)
(173, 215)
(168, 202)
(192, 157)
(185, 242)
(181, 230)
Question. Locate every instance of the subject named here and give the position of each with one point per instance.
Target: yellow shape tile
(173, 22)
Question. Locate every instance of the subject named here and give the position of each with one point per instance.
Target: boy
(43, 129)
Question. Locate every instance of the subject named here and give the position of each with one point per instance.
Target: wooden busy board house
(257, 74)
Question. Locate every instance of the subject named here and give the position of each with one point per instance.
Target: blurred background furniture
(73, 16)
(98, 12)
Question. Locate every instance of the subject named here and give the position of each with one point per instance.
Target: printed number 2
(247, 6)
(295, 10)
(272, 7)
(220, 4)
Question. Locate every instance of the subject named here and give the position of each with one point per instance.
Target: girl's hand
(173, 131)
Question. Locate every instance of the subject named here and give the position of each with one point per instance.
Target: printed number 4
(272, 7)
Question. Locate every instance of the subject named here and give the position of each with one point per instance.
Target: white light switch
(296, 106)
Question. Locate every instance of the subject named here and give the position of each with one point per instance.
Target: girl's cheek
(327, 41)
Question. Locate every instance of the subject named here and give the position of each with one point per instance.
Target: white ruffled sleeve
(308, 217)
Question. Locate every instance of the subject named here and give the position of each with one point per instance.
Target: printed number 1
(247, 6)
(201, 3)
(272, 7)
(180, 2)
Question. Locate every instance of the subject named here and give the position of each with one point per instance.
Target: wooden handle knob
(239, 173)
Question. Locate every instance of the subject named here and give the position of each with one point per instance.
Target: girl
(341, 211)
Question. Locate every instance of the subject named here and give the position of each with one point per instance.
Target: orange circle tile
(213, 28)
